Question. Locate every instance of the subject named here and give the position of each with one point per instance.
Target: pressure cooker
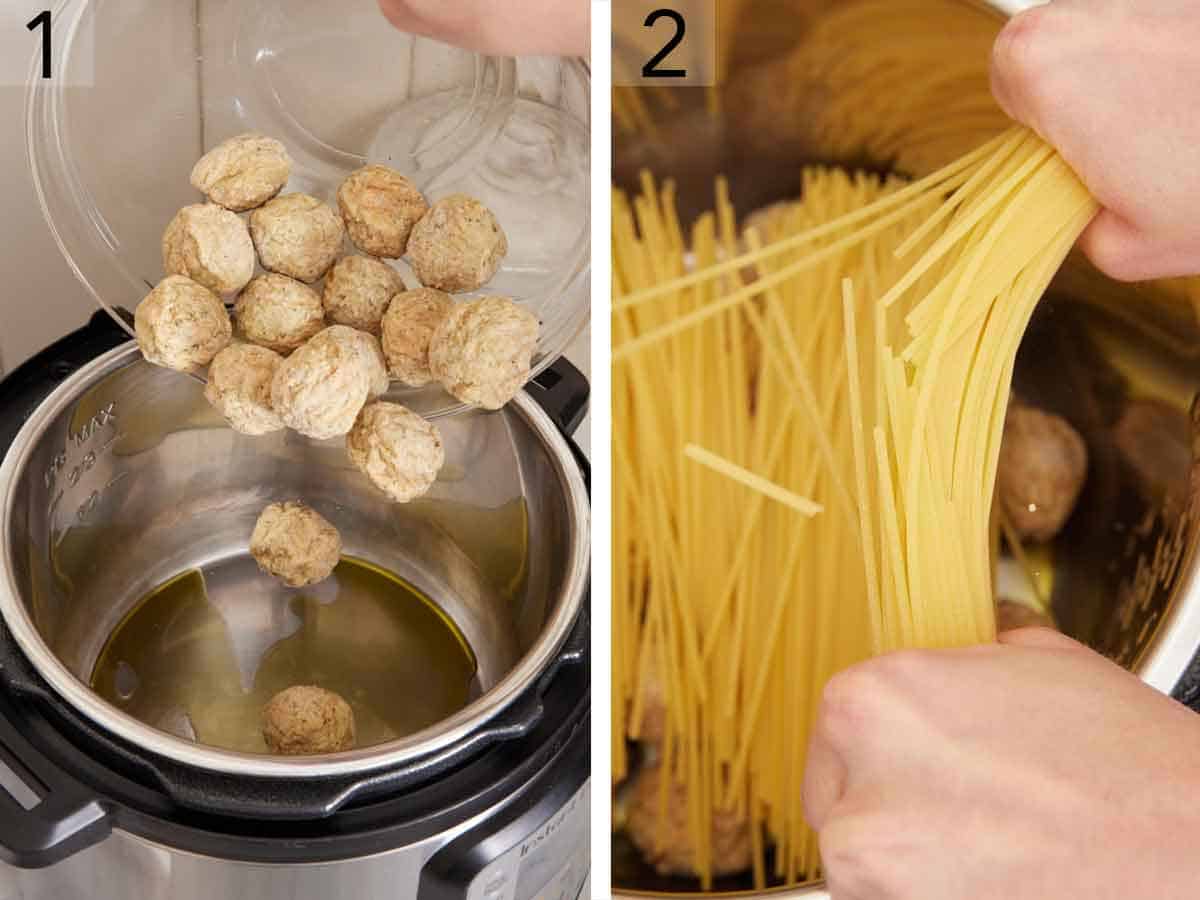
(111, 463)
(1121, 362)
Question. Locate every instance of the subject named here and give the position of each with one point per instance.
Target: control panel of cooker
(548, 860)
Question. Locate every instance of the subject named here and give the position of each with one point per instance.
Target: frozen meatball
(320, 389)
(297, 235)
(1043, 464)
(380, 207)
(482, 350)
(408, 325)
(372, 358)
(358, 290)
(398, 450)
(665, 840)
(305, 720)
(295, 543)
(211, 246)
(181, 324)
(279, 312)
(1011, 615)
(243, 172)
(239, 388)
(458, 246)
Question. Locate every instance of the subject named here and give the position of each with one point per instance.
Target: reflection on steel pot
(1097, 352)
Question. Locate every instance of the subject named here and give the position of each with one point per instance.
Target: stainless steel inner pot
(125, 477)
(1121, 362)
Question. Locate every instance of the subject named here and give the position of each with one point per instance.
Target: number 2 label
(651, 69)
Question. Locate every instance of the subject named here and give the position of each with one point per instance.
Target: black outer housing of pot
(90, 782)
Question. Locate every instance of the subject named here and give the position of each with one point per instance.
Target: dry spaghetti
(855, 358)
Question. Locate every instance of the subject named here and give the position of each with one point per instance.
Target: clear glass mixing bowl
(341, 88)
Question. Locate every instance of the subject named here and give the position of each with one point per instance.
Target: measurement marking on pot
(79, 439)
(94, 424)
(89, 505)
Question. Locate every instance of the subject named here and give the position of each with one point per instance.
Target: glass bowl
(341, 88)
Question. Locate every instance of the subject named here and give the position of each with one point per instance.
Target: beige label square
(669, 43)
(24, 26)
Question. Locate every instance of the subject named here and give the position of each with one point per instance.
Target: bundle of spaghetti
(903, 81)
(807, 423)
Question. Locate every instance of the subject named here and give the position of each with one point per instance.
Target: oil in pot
(200, 655)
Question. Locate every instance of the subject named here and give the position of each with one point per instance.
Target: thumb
(1018, 58)
(1039, 639)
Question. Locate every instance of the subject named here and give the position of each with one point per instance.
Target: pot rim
(439, 736)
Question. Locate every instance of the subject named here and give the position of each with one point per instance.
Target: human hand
(1031, 769)
(1115, 86)
(507, 27)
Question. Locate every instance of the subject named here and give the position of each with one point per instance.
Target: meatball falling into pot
(295, 543)
(396, 449)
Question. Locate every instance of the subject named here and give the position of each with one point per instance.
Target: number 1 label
(42, 20)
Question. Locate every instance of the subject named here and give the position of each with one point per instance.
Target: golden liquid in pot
(203, 668)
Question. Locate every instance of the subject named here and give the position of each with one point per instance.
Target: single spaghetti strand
(802, 505)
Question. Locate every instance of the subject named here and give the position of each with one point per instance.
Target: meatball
(408, 326)
(482, 350)
(1155, 440)
(766, 219)
(243, 172)
(279, 312)
(1011, 615)
(295, 543)
(320, 389)
(674, 854)
(654, 702)
(211, 246)
(306, 720)
(372, 357)
(1043, 464)
(239, 388)
(458, 246)
(358, 290)
(181, 324)
(297, 235)
(380, 207)
(398, 450)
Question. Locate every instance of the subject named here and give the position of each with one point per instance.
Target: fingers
(1016, 64)
(450, 23)
(1124, 252)
(824, 780)
(512, 27)
(1039, 639)
(843, 876)
(853, 708)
